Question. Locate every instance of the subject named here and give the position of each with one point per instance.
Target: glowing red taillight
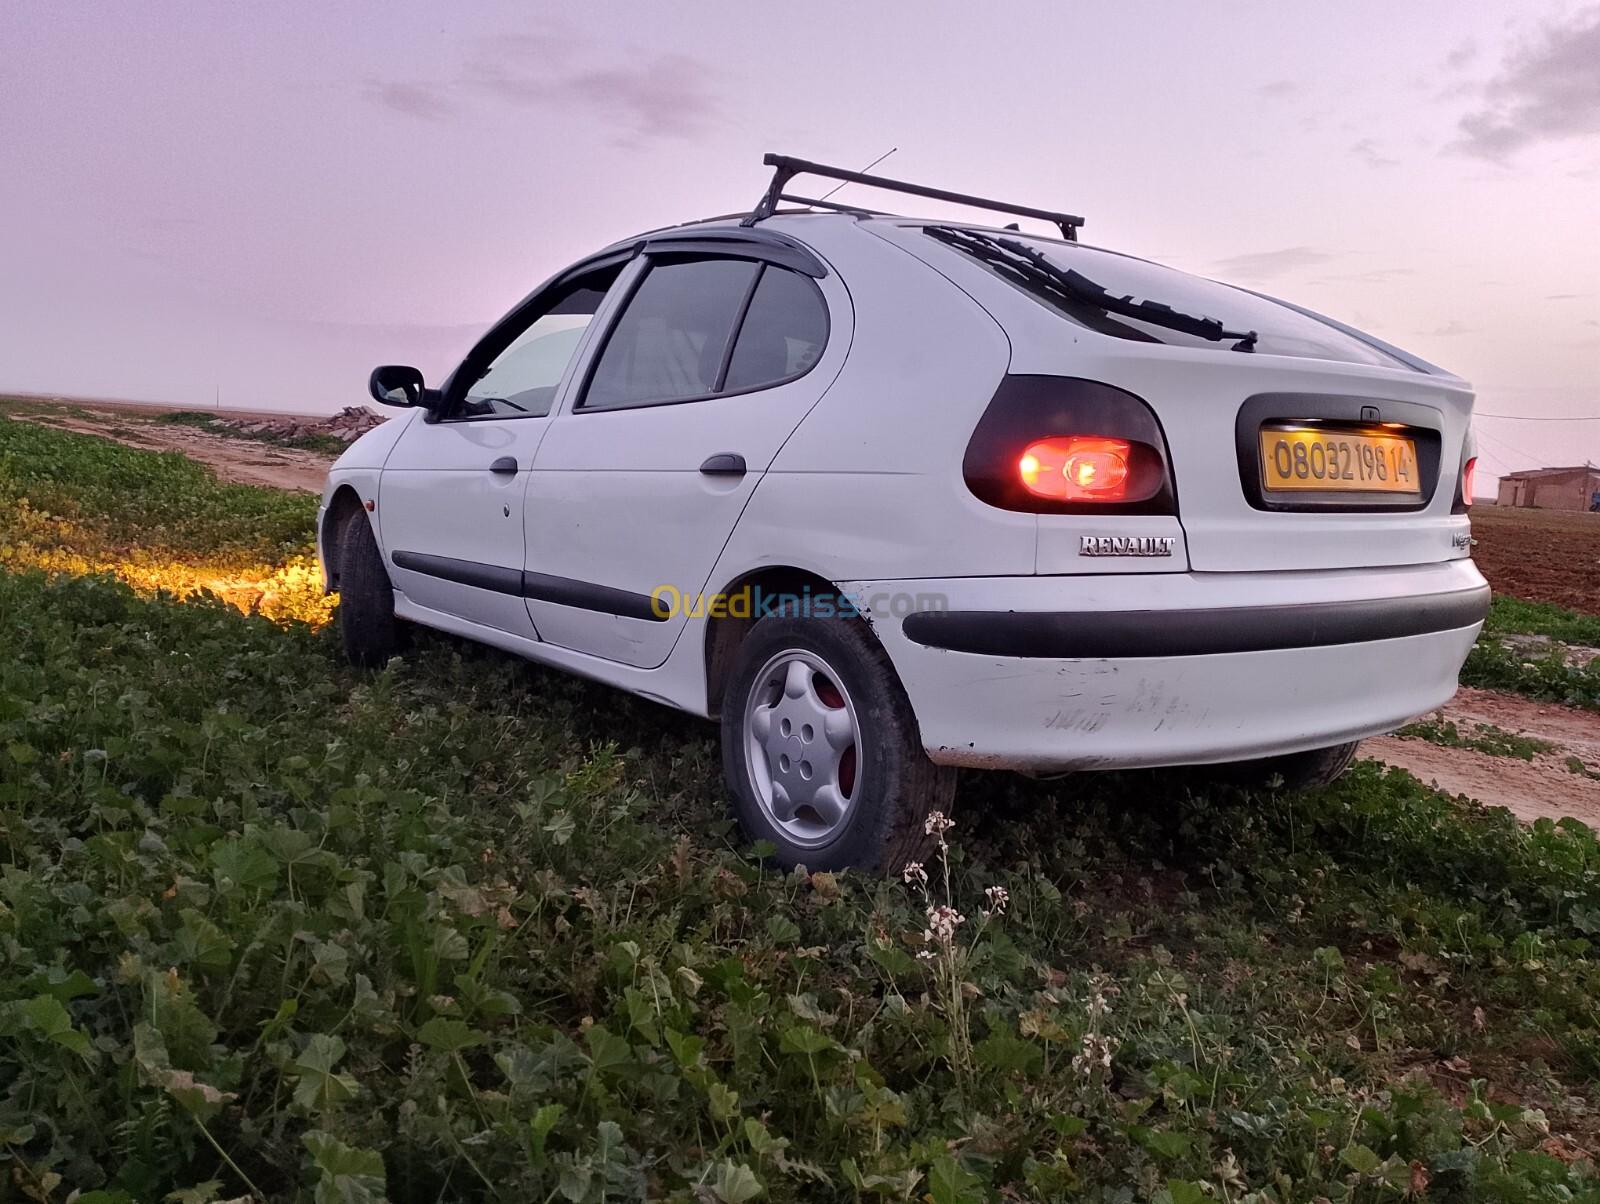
(1077, 468)
(1468, 471)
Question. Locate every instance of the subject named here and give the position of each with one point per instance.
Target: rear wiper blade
(1081, 289)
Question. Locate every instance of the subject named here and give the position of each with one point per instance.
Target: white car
(888, 496)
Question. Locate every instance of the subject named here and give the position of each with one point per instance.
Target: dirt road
(232, 459)
(1545, 786)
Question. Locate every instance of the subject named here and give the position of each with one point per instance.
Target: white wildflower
(915, 873)
(998, 897)
(938, 824)
(942, 924)
(1095, 1054)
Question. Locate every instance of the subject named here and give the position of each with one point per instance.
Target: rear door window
(672, 341)
(697, 328)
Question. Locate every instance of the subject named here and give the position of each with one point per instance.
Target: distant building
(1575, 488)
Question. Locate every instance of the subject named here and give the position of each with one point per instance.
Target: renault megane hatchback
(887, 496)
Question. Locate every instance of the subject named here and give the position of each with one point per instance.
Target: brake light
(1063, 445)
(1468, 471)
(1077, 468)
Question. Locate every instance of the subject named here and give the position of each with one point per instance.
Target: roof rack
(786, 168)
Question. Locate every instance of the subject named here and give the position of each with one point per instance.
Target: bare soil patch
(1540, 555)
(1542, 788)
(246, 463)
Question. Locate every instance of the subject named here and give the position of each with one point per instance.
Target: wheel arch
(343, 505)
(726, 631)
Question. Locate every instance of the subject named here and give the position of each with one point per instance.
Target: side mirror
(396, 385)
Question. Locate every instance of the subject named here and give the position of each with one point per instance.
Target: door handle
(505, 465)
(724, 464)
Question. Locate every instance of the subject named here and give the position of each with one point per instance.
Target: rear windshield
(1279, 329)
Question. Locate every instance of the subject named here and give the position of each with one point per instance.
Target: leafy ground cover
(1545, 671)
(1480, 737)
(467, 930)
(1514, 616)
(1495, 665)
(74, 503)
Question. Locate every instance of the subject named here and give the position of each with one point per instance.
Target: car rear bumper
(1051, 673)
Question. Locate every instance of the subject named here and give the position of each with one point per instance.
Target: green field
(465, 929)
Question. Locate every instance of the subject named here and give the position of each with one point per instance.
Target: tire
(1299, 771)
(367, 624)
(804, 688)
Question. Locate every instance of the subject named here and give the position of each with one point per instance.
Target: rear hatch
(1318, 447)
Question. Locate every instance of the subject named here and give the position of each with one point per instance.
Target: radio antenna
(862, 172)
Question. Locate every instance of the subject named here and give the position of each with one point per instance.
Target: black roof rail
(786, 168)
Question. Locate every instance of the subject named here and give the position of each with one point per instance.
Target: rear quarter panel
(870, 483)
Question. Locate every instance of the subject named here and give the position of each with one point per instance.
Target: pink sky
(268, 201)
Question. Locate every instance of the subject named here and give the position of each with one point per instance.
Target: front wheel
(821, 751)
(367, 622)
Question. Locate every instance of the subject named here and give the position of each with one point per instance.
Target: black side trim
(1138, 633)
(564, 591)
(463, 572)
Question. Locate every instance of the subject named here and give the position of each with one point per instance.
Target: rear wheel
(367, 622)
(820, 748)
(1299, 771)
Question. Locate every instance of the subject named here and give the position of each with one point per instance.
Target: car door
(705, 371)
(451, 492)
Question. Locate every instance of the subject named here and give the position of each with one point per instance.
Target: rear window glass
(783, 332)
(1280, 330)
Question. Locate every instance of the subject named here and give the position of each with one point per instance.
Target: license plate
(1338, 461)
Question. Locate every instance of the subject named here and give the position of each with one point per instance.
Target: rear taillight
(1060, 445)
(1081, 468)
(1466, 477)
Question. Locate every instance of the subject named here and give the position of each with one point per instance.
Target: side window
(783, 332)
(521, 380)
(672, 340)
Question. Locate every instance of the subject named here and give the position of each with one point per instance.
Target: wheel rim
(802, 747)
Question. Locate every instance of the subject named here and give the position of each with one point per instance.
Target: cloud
(1279, 89)
(1370, 276)
(657, 96)
(1449, 329)
(427, 102)
(1259, 265)
(1565, 296)
(1546, 89)
(663, 96)
(1367, 151)
(1461, 55)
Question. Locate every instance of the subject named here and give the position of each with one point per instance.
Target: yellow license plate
(1338, 461)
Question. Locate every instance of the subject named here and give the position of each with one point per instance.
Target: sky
(259, 203)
